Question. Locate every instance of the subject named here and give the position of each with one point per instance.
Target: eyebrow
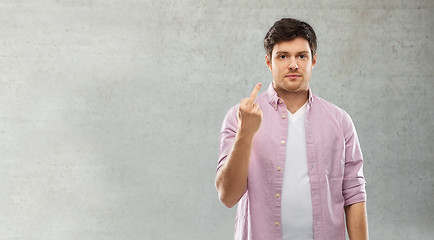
(283, 52)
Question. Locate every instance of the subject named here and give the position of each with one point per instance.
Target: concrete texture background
(110, 110)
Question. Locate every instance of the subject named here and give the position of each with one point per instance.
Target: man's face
(291, 65)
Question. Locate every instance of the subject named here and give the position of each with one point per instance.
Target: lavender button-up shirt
(335, 168)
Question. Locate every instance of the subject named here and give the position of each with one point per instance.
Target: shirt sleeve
(353, 187)
(227, 135)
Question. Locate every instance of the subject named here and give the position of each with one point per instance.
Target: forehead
(296, 45)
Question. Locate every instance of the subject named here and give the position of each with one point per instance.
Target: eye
(302, 56)
(282, 56)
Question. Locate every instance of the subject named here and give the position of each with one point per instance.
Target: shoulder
(230, 120)
(332, 110)
(325, 104)
(262, 99)
(262, 96)
(231, 114)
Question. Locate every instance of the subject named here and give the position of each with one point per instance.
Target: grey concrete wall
(110, 110)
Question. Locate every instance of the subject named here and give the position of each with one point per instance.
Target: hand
(249, 114)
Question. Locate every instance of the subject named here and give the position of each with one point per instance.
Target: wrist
(245, 134)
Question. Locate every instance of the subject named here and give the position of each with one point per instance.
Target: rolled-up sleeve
(228, 133)
(353, 187)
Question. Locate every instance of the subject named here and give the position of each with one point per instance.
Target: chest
(325, 147)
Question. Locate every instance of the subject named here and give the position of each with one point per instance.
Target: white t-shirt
(297, 221)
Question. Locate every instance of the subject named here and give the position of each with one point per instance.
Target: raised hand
(249, 114)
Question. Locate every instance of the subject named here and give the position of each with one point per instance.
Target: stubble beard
(287, 88)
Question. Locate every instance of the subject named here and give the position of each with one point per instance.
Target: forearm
(357, 223)
(231, 180)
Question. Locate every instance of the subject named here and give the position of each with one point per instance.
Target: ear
(268, 61)
(314, 61)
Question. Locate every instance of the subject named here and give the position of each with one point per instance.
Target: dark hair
(287, 29)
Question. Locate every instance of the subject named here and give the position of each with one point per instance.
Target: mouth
(292, 76)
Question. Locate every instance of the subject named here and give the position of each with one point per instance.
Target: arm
(353, 188)
(357, 223)
(231, 178)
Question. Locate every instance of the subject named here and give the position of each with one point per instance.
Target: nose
(293, 64)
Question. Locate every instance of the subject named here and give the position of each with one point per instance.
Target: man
(290, 159)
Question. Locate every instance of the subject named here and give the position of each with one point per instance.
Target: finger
(255, 107)
(255, 92)
(244, 102)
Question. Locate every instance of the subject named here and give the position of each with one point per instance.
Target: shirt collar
(275, 101)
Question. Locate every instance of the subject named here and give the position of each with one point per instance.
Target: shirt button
(278, 168)
(277, 195)
(277, 223)
(283, 116)
(282, 142)
(275, 106)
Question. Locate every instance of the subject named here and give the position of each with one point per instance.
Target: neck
(293, 100)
